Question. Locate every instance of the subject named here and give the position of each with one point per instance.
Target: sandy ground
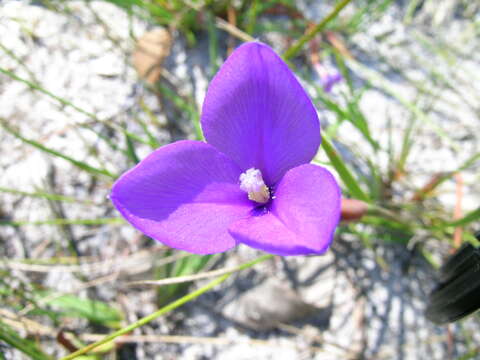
(354, 305)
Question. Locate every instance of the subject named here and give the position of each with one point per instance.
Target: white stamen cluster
(251, 182)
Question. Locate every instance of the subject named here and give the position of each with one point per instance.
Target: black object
(458, 292)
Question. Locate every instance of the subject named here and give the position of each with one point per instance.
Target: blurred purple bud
(328, 80)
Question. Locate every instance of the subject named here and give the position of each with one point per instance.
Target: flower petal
(257, 113)
(184, 195)
(302, 217)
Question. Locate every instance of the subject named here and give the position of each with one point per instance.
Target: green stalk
(345, 174)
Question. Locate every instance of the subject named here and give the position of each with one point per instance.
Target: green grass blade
(189, 265)
(344, 173)
(80, 164)
(153, 142)
(37, 87)
(94, 311)
(377, 80)
(371, 11)
(375, 182)
(132, 154)
(467, 219)
(145, 10)
(407, 145)
(357, 119)
(251, 17)
(467, 164)
(472, 354)
(409, 12)
(184, 105)
(68, 103)
(29, 348)
(18, 61)
(45, 195)
(297, 46)
(351, 114)
(342, 67)
(212, 44)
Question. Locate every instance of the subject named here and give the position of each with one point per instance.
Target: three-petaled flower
(251, 182)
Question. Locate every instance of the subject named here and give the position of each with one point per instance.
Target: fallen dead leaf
(151, 50)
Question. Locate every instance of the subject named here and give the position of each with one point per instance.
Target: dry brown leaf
(151, 49)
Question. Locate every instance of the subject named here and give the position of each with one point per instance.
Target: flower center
(252, 183)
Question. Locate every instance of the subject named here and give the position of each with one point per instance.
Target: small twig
(188, 278)
(450, 341)
(36, 329)
(222, 24)
(25, 324)
(458, 213)
(431, 185)
(176, 339)
(233, 30)
(232, 20)
(338, 44)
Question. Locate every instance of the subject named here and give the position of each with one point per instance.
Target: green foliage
(28, 347)
(95, 311)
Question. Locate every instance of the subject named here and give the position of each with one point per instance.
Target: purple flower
(326, 78)
(329, 80)
(251, 182)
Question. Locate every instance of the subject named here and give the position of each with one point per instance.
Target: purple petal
(302, 217)
(184, 195)
(257, 113)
